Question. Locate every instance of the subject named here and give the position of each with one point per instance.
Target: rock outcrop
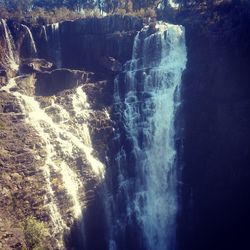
(22, 184)
(216, 90)
(31, 65)
(90, 64)
(97, 41)
(51, 83)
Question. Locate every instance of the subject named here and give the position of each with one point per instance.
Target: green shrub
(35, 233)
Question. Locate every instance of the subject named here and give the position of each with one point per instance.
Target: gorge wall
(216, 91)
(72, 155)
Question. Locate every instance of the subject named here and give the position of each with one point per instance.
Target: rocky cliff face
(216, 91)
(55, 122)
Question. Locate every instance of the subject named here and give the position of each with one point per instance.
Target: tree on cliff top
(47, 11)
(17, 5)
(106, 5)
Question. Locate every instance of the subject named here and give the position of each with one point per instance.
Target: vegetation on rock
(51, 11)
(43, 12)
(35, 233)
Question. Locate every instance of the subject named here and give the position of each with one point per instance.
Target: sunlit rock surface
(55, 127)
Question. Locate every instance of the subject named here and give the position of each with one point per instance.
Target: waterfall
(173, 4)
(54, 44)
(11, 59)
(45, 33)
(62, 124)
(56, 39)
(32, 42)
(146, 98)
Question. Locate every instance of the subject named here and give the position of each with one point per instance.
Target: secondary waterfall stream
(144, 204)
(52, 37)
(11, 57)
(62, 124)
(32, 41)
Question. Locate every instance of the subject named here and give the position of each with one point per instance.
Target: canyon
(120, 133)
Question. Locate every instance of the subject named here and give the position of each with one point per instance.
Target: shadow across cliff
(216, 92)
(89, 232)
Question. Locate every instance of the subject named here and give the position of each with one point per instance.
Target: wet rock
(50, 83)
(10, 107)
(111, 64)
(8, 103)
(31, 65)
(106, 25)
(25, 84)
(3, 77)
(3, 73)
(98, 38)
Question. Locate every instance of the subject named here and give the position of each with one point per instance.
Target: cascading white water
(11, 58)
(45, 33)
(169, 3)
(55, 44)
(31, 108)
(65, 132)
(81, 108)
(146, 97)
(32, 41)
(173, 4)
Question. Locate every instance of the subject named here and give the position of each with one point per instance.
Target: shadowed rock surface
(216, 139)
(50, 83)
